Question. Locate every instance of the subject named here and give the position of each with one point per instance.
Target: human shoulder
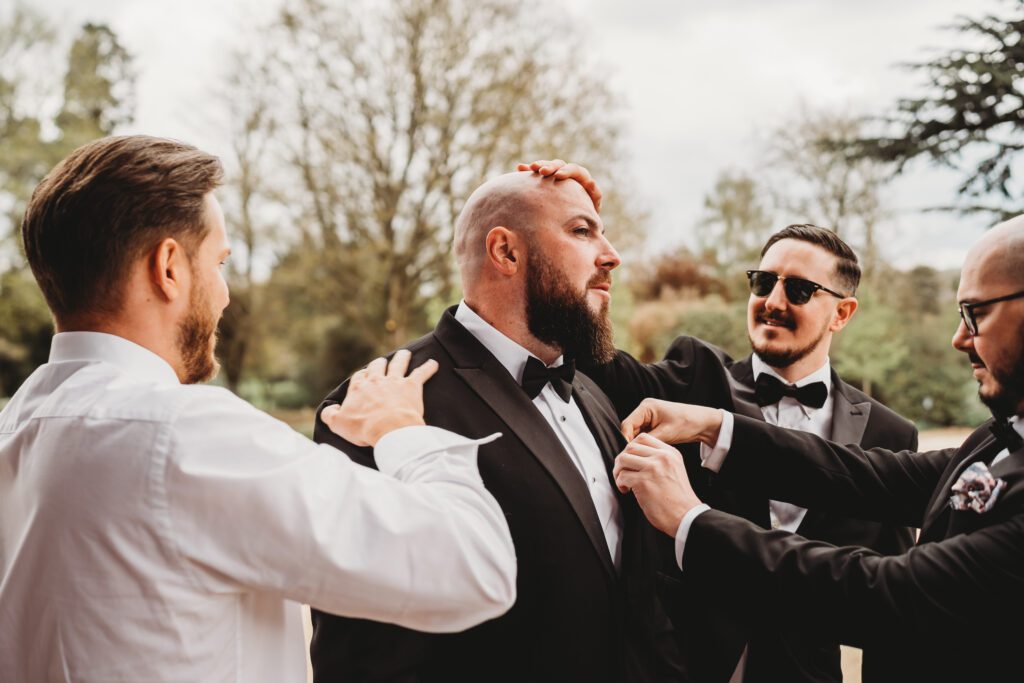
(880, 413)
(688, 349)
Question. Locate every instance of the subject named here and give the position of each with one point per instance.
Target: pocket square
(976, 489)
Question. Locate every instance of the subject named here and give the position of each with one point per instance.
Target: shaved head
(514, 201)
(1000, 253)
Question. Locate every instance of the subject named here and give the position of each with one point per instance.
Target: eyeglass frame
(782, 278)
(966, 309)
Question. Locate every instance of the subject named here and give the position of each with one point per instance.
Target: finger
(330, 413)
(632, 462)
(627, 480)
(357, 377)
(376, 368)
(648, 439)
(639, 449)
(523, 167)
(637, 421)
(549, 167)
(425, 371)
(576, 172)
(399, 363)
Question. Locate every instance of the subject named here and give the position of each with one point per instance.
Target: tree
(974, 101)
(818, 182)
(95, 97)
(736, 221)
(385, 116)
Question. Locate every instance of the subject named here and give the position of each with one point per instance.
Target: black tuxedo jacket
(947, 610)
(696, 372)
(576, 617)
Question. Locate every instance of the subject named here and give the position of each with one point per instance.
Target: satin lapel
(1013, 461)
(489, 379)
(849, 419)
(741, 386)
(939, 506)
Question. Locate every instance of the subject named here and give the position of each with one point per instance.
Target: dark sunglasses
(798, 290)
(967, 310)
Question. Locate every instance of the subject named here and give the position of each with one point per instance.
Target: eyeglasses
(798, 290)
(967, 310)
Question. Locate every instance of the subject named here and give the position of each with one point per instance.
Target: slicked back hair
(103, 207)
(847, 271)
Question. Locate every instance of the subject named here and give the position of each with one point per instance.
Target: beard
(783, 358)
(197, 337)
(559, 316)
(1006, 398)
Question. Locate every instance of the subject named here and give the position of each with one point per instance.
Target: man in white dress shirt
(153, 529)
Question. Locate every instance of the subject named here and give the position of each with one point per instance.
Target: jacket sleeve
(801, 468)
(854, 594)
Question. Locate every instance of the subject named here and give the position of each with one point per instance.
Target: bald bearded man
(536, 272)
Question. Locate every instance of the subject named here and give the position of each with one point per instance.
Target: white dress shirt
(154, 531)
(565, 419)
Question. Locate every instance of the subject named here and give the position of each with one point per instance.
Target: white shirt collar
(1017, 423)
(822, 374)
(137, 360)
(509, 353)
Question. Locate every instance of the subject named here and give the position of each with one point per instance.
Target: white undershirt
(565, 419)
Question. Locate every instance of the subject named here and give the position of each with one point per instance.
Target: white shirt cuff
(684, 530)
(398, 452)
(713, 458)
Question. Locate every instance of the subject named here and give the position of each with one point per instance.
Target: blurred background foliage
(358, 129)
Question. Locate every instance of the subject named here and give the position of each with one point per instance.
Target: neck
(150, 334)
(803, 367)
(510, 320)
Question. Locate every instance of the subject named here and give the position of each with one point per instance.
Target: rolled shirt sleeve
(250, 503)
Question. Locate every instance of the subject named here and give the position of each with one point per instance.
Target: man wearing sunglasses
(947, 610)
(802, 294)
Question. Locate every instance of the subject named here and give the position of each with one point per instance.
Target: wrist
(393, 422)
(711, 428)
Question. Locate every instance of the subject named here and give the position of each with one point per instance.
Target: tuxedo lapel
(741, 386)
(489, 379)
(849, 417)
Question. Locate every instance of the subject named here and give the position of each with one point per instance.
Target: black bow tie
(769, 390)
(536, 375)
(1006, 435)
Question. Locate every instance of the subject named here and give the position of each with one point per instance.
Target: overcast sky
(702, 82)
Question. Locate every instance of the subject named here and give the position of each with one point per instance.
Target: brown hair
(847, 271)
(106, 205)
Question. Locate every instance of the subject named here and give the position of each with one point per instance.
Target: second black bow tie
(1006, 435)
(769, 390)
(536, 375)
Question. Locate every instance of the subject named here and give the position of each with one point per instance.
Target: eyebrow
(586, 219)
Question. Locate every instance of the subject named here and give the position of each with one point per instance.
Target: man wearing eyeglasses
(802, 294)
(947, 610)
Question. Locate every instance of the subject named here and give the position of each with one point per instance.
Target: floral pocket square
(976, 489)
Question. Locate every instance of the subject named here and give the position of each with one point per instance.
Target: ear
(844, 311)
(504, 250)
(168, 265)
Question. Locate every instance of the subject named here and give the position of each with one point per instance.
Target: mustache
(776, 317)
(601, 278)
(975, 358)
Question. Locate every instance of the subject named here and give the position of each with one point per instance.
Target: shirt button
(593, 480)
(562, 418)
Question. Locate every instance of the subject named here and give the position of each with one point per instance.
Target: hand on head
(560, 170)
(655, 473)
(380, 399)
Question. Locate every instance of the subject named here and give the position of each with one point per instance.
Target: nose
(962, 339)
(776, 299)
(608, 259)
